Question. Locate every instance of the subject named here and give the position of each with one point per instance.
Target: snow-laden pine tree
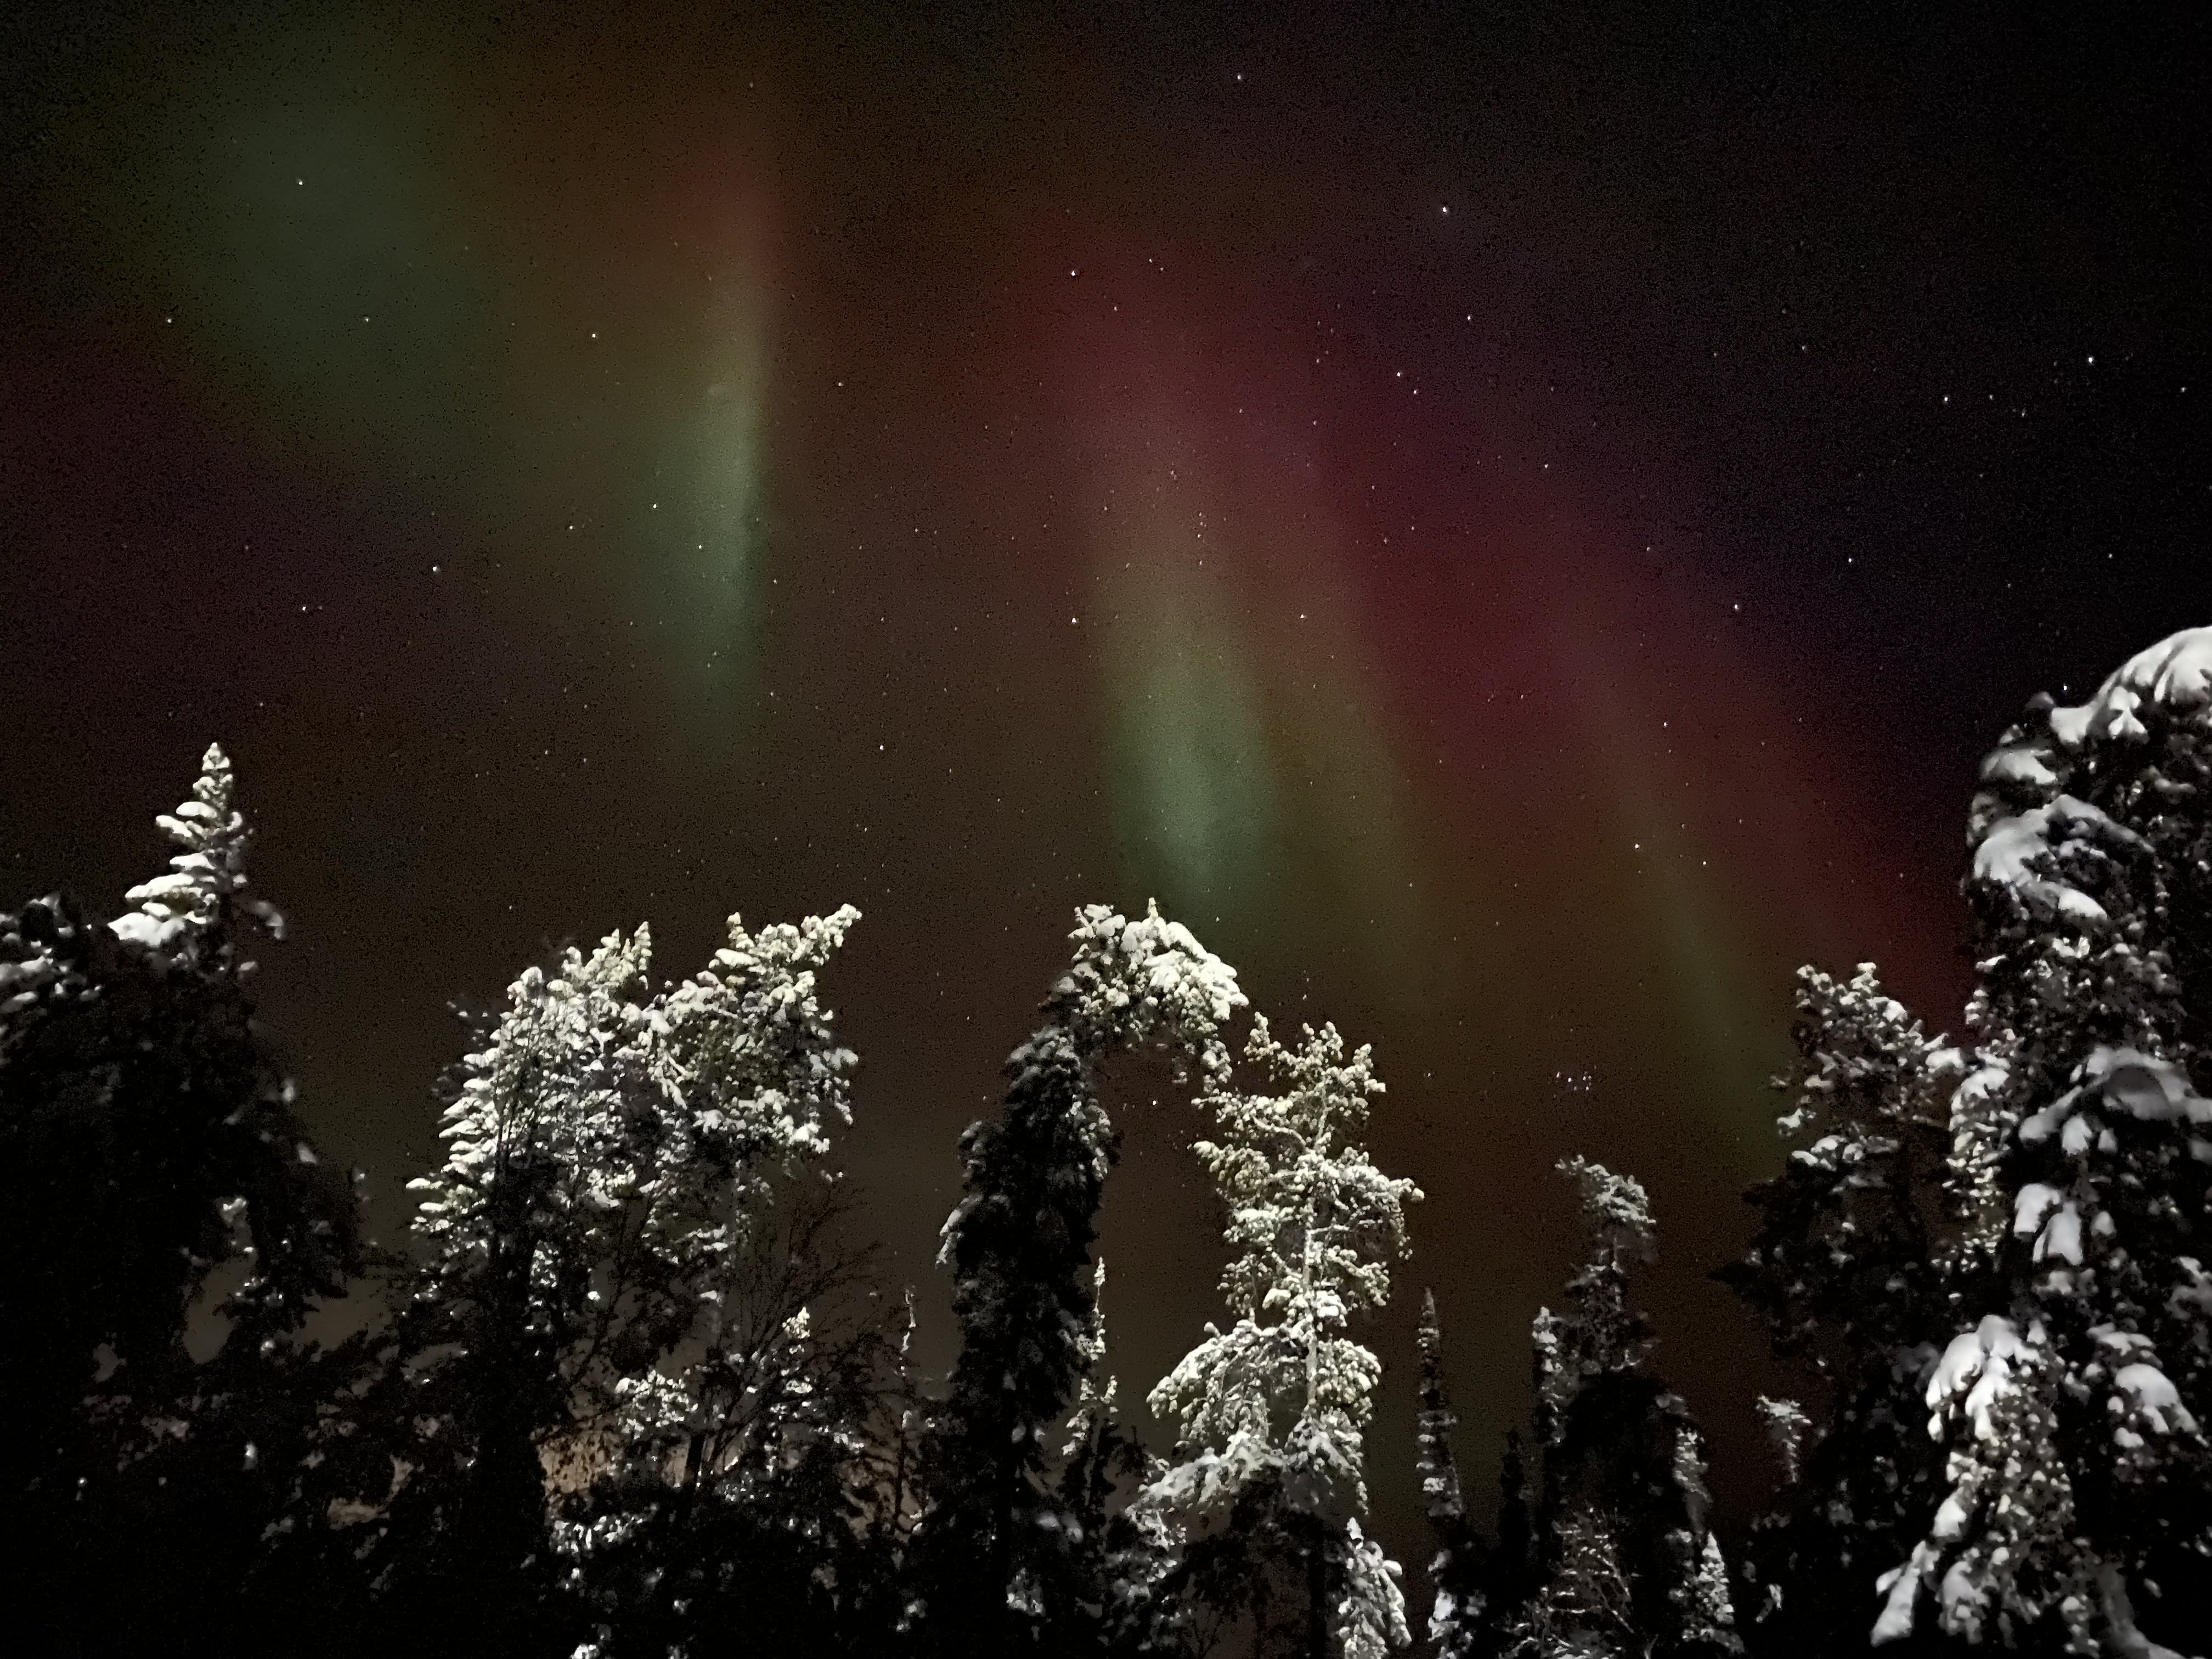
(603, 1149)
(1626, 1562)
(1269, 1488)
(1002, 1565)
(1457, 1569)
(1854, 1270)
(148, 1137)
(2072, 1399)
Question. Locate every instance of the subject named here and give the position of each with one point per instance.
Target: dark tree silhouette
(148, 1139)
(1626, 1561)
(1001, 1569)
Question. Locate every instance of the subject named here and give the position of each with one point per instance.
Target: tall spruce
(1269, 1489)
(1854, 1270)
(1125, 1554)
(1003, 1564)
(1626, 1561)
(1458, 1567)
(148, 1139)
(2071, 1398)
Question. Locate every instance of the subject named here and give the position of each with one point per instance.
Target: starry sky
(1515, 521)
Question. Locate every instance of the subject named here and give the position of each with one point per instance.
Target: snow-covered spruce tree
(1854, 1270)
(1269, 1486)
(1457, 1570)
(1091, 1457)
(147, 1139)
(2072, 1397)
(1101, 1459)
(1627, 1564)
(602, 1150)
(1000, 1564)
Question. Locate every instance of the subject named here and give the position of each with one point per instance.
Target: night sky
(1514, 521)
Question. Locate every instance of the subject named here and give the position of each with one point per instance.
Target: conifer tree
(1001, 1563)
(1627, 1562)
(2071, 1398)
(1121, 1555)
(1270, 1476)
(1854, 1270)
(148, 1137)
(1093, 1454)
(1515, 1565)
(1457, 1569)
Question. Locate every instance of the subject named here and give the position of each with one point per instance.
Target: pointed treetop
(208, 868)
(1096, 1402)
(1436, 1469)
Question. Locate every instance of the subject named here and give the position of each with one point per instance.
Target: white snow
(2175, 676)
(2036, 1201)
(648, 1117)
(2078, 966)
(2018, 764)
(2154, 1399)
(2146, 1087)
(1978, 1364)
(2013, 850)
(1901, 1587)
(1312, 1226)
(1131, 978)
(208, 867)
(2062, 1236)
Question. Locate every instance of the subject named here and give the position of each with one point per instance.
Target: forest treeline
(633, 1390)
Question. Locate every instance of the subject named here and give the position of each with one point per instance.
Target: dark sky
(1514, 521)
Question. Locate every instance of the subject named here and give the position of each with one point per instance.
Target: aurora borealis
(1514, 523)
